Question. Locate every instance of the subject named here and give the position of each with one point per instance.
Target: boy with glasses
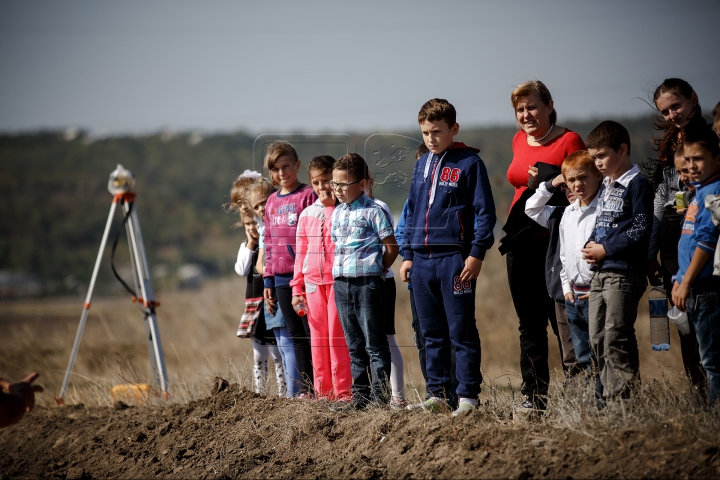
(360, 230)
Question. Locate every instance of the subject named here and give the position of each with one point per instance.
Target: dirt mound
(236, 433)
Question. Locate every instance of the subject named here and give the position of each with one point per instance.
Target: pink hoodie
(314, 248)
(281, 219)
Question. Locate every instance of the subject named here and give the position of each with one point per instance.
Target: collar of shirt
(623, 179)
(576, 204)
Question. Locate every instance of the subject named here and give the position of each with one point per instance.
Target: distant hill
(54, 200)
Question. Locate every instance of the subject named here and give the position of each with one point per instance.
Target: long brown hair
(666, 145)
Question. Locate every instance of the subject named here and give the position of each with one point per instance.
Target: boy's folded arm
(484, 206)
(391, 251)
(536, 206)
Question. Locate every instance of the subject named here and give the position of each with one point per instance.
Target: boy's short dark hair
(608, 134)
(421, 150)
(354, 165)
(701, 135)
(436, 110)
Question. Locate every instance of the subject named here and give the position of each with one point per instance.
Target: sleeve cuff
(478, 252)
(269, 282)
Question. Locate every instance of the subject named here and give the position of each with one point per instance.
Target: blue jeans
(287, 352)
(578, 317)
(702, 311)
(360, 303)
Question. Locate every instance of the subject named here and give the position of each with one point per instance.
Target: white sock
(470, 401)
(280, 378)
(260, 371)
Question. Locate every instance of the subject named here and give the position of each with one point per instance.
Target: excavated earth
(236, 433)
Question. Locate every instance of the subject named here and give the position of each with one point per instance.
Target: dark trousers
(420, 345)
(702, 311)
(300, 336)
(446, 309)
(534, 308)
(360, 304)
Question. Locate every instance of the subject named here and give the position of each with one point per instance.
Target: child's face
(320, 182)
(583, 183)
(675, 108)
(285, 171)
(245, 208)
(257, 203)
(438, 136)
(251, 229)
(683, 171)
(701, 163)
(609, 161)
(347, 189)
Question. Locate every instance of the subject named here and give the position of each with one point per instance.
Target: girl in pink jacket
(313, 285)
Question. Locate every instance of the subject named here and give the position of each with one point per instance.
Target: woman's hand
(533, 180)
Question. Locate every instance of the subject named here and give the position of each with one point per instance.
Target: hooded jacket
(450, 206)
(314, 249)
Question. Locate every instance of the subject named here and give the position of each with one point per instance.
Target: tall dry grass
(197, 329)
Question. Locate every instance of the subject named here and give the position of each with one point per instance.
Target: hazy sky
(139, 66)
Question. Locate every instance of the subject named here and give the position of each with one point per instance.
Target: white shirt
(243, 265)
(575, 229)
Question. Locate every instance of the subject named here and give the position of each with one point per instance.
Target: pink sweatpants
(330, 357)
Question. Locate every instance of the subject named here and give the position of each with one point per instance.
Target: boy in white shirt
(583, 179)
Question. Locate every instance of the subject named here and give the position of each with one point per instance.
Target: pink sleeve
(301, 247)
(268, 241)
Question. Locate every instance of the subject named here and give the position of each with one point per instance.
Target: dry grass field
(211, 428)
(197, 329)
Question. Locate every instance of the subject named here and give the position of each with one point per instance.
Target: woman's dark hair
(666, 145)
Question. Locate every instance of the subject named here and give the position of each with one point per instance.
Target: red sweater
(525, 156)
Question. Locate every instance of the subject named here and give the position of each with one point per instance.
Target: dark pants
(534, 308)
(300, 336)
(420, 345)
(702, 311)
(670, 230)
(360, 304)
(446, 310)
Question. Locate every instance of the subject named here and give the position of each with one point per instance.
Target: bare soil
(236, 433)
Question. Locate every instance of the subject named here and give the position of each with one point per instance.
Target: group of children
(321, 298)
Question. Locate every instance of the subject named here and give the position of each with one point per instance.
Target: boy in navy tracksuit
(617, 252)
(450, 197)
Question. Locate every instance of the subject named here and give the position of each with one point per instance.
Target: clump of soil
(236, 433)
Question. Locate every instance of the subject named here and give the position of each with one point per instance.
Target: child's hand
(679, 295)
(327, 198)
(533, 180)
(559, 180)
(270, 303)
(594, 253)
(570, 297)
(405, 270)
(680, 210)
(471, 270)
(296, 299)
(584, 297)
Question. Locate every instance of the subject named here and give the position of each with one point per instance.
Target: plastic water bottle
(659, 324)
(301, 309)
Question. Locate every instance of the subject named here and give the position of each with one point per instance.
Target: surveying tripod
(120, 185)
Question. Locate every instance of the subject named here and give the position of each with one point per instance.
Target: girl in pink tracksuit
(313, 285)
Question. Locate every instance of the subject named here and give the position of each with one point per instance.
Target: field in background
(198, 334)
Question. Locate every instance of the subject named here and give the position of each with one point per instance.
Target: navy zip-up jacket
(450, 206)
(624, 221)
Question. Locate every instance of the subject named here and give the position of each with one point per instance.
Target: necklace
(538, 140)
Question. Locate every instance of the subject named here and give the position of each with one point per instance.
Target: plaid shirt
(357, 230)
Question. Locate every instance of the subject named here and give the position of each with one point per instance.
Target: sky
(134, 67)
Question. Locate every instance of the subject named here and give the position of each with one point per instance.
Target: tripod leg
(157, 359)
(86, 306)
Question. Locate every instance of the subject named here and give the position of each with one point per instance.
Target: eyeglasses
(343, 186)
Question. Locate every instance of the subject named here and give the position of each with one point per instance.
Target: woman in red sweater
(539, 139)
